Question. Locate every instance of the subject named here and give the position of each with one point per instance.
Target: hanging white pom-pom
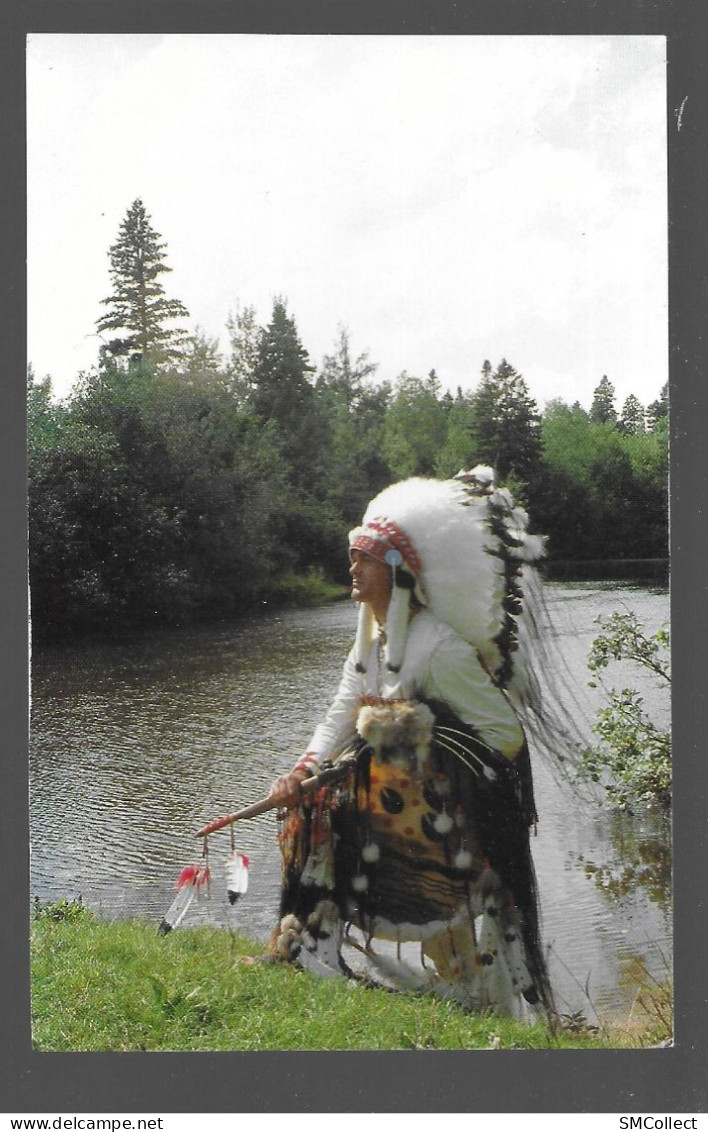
(360, 883)
(463, 859)
(371, 852)
(460, 817)
(443, 823)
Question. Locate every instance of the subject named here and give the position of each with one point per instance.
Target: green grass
(119, 986)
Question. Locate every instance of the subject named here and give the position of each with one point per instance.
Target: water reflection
(638, 859)
(137, 743)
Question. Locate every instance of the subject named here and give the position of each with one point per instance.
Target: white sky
(448, 199)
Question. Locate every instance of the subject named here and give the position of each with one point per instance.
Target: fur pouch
(398, 731)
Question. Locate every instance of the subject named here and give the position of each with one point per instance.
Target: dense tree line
(176, 482)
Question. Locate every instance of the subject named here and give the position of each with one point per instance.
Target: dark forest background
(177, 481)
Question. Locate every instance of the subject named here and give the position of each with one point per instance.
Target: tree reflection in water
(640, 860)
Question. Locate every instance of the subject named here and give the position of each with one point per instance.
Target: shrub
(633, 757)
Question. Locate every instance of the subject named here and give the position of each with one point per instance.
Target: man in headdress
(427, 838)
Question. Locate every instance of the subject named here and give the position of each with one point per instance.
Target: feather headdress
(463, 548)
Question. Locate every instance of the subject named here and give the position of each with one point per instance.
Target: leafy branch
(633, 757)
(624, 639)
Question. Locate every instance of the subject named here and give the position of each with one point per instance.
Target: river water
(137, 743)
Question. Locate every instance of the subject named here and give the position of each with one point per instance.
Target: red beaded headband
(378, 536)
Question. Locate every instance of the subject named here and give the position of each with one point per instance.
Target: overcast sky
(448, 199)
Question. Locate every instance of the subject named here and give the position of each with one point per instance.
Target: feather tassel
(236, 869)
(189, 883)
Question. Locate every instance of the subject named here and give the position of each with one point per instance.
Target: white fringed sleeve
(438, 665)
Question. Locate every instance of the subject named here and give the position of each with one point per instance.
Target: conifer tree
(658, 410)
(633, 418)
(505, 427)
(603, 409)
(138, 306)
(284, 396)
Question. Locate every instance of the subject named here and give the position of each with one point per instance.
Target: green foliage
(658, 411)
(458, 452)
(177, 483)
(60, 911)
(505, 424)
(137, 303)
(354, 410)
(415, 427)
(345, 377)
(624, 639)
(311, 588)
(156, 499)
(158, 494)
(284, 397)
(244, 336)
(311, 534)
(600, 493)
(201, 361)
(633, 758)
(633, 418)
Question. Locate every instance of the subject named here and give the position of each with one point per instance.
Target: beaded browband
(379, 536)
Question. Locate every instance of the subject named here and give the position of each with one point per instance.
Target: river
(136, 743)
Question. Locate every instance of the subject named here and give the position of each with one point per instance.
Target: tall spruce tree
(138, 306)
(505, 423)
(603, 409)
(283, 395)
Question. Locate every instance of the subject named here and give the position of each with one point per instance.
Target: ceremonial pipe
(308, 786)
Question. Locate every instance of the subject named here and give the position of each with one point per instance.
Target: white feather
(236, 869)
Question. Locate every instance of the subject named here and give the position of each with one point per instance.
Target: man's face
(371, 581)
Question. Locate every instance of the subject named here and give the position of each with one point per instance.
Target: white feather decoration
(465, 533)
(236, 869)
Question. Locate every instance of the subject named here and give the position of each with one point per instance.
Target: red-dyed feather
(193, 874)
(188, 884)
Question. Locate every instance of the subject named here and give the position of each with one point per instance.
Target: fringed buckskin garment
(427, 839)
(426, 842)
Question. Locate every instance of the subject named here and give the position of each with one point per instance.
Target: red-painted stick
(309, 786)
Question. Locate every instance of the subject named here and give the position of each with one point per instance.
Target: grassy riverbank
(118, 986)
(306, 589)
